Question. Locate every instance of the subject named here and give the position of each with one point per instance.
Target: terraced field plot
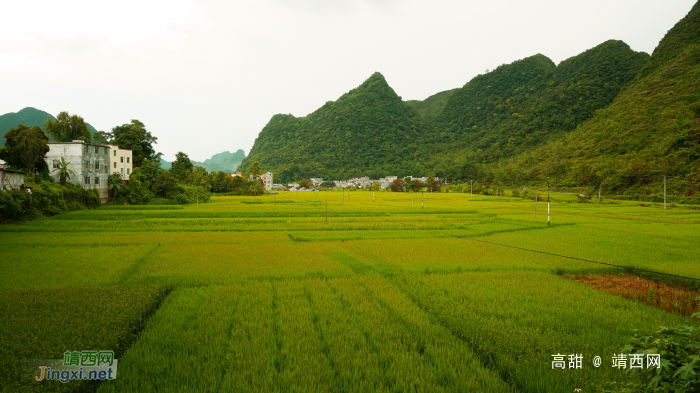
(265, 296)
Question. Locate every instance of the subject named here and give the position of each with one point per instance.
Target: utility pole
(548, 223)
(343, 196)
(664, 192)
(372, 196)
(471, 190)
(601, 186)
(275, 200)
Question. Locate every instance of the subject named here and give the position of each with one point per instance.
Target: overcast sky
(205, 76)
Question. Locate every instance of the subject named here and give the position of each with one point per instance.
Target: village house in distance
(91, 163)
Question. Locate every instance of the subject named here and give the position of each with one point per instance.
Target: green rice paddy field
(264, 296)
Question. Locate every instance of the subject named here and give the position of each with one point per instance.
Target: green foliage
(47, 199)
(181, 167)
(651, 129)
(367, 131)
(433, 105)
(25, 148)
(115, 185)
(134, 136)
(64, 173)
(67, 128)
(679, 350)
(526, 104)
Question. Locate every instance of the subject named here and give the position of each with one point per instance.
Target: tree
(416, 185)
(307, 183)
(165, 183)
(435, 186)
(396, 185)
(103, 138)
(407, 184)
(255, 170)
(150, 170)
(67, 128)
(64, 173)
(25, 147)
(328, 184)
(375, 186)
(33, 146)
(181, 167)
(134, 137)
(115, 185)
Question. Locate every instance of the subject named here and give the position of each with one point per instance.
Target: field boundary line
(526, 249)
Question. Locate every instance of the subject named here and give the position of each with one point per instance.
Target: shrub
(47, 199)
(679, 350)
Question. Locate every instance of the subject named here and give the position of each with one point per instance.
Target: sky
(205, 76)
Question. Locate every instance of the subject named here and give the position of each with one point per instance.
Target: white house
(121, 161)
(267, 180)
(88, 162)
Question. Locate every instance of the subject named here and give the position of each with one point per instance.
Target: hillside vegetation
(461, 133)
(367, 131)
(30, 117)
(651, 129)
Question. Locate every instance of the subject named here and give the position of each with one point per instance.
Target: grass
(268, 297)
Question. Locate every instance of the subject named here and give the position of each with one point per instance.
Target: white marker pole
(547, 210)
(372, 196)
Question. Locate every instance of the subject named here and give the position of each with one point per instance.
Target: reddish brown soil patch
(678, 300)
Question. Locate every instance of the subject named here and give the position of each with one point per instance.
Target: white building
(267, 180)
(121, 161)
(88, 162)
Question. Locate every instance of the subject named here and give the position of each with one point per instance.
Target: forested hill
(526, 104)
(29, 117)
(433, 105)
(367, 131)
(221, 162)
(651, 129)
(456, 133)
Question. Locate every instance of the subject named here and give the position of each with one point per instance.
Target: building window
(115, 153)
(127, 171)
(87, 164)
(86, 149)
(56, 164)
(97, 165)
(127, 160)
(97, 149)
(122, 170)
(115, 164)
(97, 180)
(87, 179)
(121, 159)
(106, 151)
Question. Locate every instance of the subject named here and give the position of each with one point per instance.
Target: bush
(516, 193)
(679, 349)
(47, 199)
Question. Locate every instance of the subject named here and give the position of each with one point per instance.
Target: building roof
(77, 143)
(11, 170)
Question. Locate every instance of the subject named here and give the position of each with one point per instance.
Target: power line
(523, 248)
